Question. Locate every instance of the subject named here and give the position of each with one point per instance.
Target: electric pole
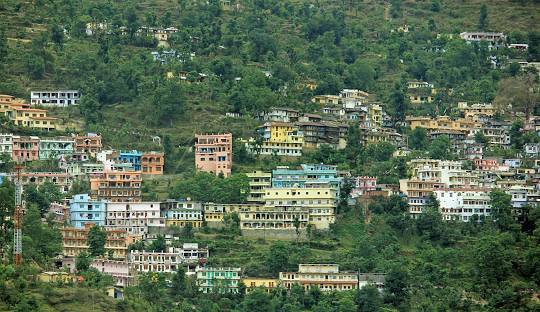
(17, 231)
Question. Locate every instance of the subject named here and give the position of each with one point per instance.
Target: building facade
(117, 186)
(326, 277)
(213, 153)
(60, 98)
(88, 144)
(258, 183)
(153, 163)
(75, 241)
(25, 148)
(85, 210)
(218, 279)
(53, 148)
(134, 217)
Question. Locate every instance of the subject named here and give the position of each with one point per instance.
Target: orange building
(152, 163)
(88, 144)
(75, 241)
(120, 186)
(213, 153)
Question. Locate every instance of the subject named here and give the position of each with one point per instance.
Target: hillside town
(269, 156)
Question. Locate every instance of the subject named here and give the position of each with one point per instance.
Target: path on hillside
(387, 12)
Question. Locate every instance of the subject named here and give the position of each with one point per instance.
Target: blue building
(83, 210)
(308, 176)
(132, 157)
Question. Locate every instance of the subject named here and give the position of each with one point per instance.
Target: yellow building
(22, 115)
(443, 123)
(55, 277)
(268, 284)
(375, 114)
(75, 241)
(327, 100)
(214, 214)
(259, 181)
(477, 110)
(320, 204)
(327, 277)
(279, 138)
(421, 92)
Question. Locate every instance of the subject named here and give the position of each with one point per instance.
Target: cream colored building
(259, 181)
(326, 277)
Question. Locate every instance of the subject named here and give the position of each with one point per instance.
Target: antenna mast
(17, 231)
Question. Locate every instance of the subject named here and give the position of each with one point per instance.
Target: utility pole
(17, 231)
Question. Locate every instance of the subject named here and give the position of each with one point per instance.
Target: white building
(6, 144)
(133, 217)
(59, 98)
(168, 261)
(461, 204)
(482, 36)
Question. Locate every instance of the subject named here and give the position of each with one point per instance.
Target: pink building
(60, 212)
(25, 148)
(121, 271)
(486, 164)
(213, 153)
(362, 185)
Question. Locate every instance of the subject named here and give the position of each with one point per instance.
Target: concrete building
(85, 210)
(183, 212)
(308, 176)
(476, 111)
(278, 138)
(25, 148)
(134, 217)
(117, 186)
(280, 114)
(318, 133)
(168, 261)
(326, 277)
(375, 279)
(443, 123)
(258, 183)
(133, 157)
(218, 279)
(213, 153)
(267, 284)
(214, 214)
(64, 181)
(460, 204)
(363, 185)
(60, 212)
(153, 163)
(6, 144)
(22, 115)
(59, 98)
(75, 241)
(121, 271)
(53, 148)
(319, 203)
(478, 36)
(88, 144)
(370, 135)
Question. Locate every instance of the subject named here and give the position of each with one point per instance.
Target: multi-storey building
(462, 203)
(183, 212)
(258, 183)
(309, 176)
(326, 277)
(85, 210)
(153, 163)
(168, 261)
(52, 148)
(213, 153)
(25, 148)
(278, 138)
(370, 135)
(363, 185)
(317, 133)
(22, 115)
(496, 133)
(88, 144)
(218, 279)
(280, 114)
(375, 279)
(117, 186)
(60, 212)
(319, 202)
(477, 111)
(133, 157)
(6, 144)
(134, 217)
(60, 179)
(60, 98)
(443, 123)
(75, 241)
(429, 175)
(214, 214)
(275, 218)
(420, 92)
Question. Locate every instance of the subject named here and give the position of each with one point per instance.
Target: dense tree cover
(208, 187)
